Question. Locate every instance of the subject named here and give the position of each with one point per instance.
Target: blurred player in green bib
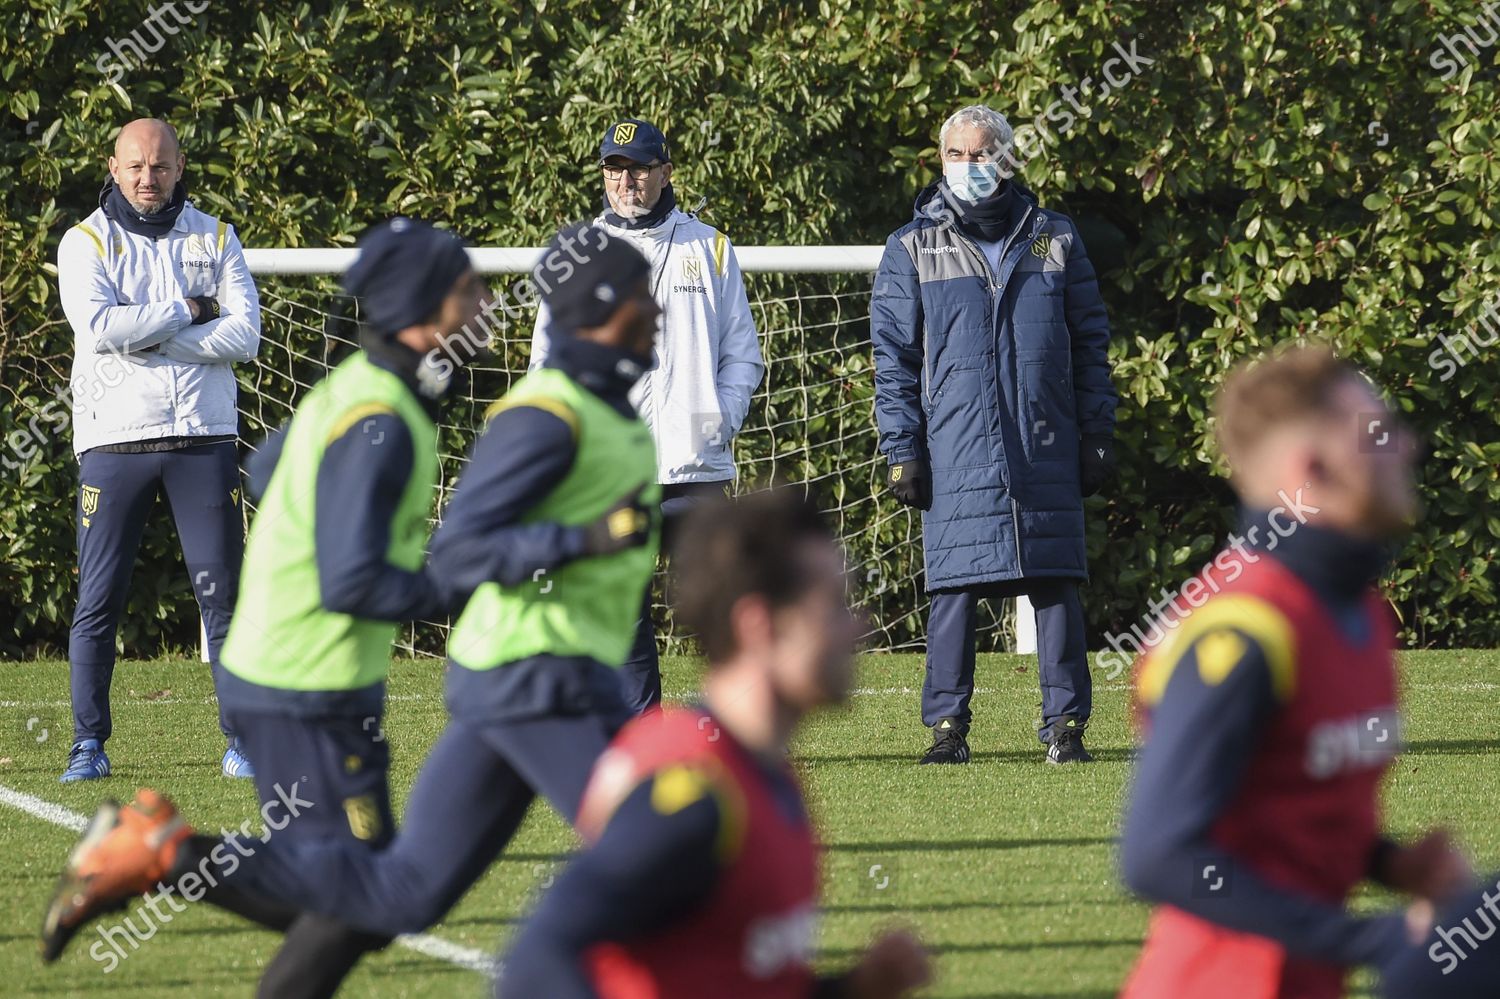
(553, 530)
(335, 560)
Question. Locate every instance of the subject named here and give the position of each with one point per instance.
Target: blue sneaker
(236, 764)
(86, 761)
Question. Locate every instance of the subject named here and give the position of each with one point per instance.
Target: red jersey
(753, 937)
(1306, 816)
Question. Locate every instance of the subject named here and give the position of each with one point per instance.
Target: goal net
(812, 421)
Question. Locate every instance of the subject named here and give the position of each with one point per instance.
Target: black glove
(910, 483)
(208, 310)
(623, 526)
(1096, 462)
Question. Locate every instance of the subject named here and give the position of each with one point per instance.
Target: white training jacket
(708, 356)
(141, 370)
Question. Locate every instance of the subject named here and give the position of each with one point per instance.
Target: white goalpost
(812, 421)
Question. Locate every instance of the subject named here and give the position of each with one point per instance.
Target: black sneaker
(1067, 742)
(948, 744)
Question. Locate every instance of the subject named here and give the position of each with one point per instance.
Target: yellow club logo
(896, 473)
(1042, 246)
(90, 500)
(624, 132)
(363, 815)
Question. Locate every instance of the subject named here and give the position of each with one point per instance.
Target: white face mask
(972, 181)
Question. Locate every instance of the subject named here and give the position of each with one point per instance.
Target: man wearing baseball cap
(708, 360)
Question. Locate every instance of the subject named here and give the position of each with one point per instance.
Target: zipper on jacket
(992, 283)
(984, 264)
(1015, 529)
(926, 370)
(992, 278)
(164, 273)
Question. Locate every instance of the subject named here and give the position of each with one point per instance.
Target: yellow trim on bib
(1264, 623)
(556, 407)
(356, 414)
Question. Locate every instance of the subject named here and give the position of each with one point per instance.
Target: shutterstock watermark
(1452, 60)
(1059, 117)
(1017, 144)
(1456, 943)
(1456, 351)
(475, 338)
(114, 63)
(221, 862)
(1281, 522)
(52, 417)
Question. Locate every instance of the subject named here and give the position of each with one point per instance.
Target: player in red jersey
(1270, 709)
(700, 872)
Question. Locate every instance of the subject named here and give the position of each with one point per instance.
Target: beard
(149, 204)
(629, 209)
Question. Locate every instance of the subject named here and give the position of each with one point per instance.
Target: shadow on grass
(851, 954)
(1106, 993)
(918, 845)
(1451, 747)
(1037, 756)
(946, 907)
(204, 983)
(536, 858)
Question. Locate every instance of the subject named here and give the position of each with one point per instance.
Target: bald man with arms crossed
(161, 305)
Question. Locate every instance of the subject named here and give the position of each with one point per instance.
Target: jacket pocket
(1050, 428)
(958, 432)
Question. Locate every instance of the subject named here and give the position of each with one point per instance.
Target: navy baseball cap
(635, 139)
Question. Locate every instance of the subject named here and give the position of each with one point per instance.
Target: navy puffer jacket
(992, 379)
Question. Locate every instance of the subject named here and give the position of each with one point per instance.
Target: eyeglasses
(613, 171)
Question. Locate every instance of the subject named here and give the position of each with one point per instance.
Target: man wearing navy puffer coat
(997, 417)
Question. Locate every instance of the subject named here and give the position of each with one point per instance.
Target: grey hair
(987, 118)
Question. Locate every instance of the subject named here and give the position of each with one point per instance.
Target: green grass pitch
(1005, 867)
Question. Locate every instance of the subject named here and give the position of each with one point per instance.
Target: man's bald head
(147, 129)
(147, 164)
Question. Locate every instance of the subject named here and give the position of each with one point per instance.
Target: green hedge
(1278, 170)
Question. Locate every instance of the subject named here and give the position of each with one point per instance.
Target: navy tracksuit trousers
(320, 779)
(469, 798)
(641, 673)
(116, 494)
(1062, 653)
(339, 764)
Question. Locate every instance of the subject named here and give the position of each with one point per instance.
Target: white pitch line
(422, 943)
(444, 950)
(179, 700)
(44, 810)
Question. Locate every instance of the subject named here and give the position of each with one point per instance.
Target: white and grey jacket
(708, 355)
(141, 370)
